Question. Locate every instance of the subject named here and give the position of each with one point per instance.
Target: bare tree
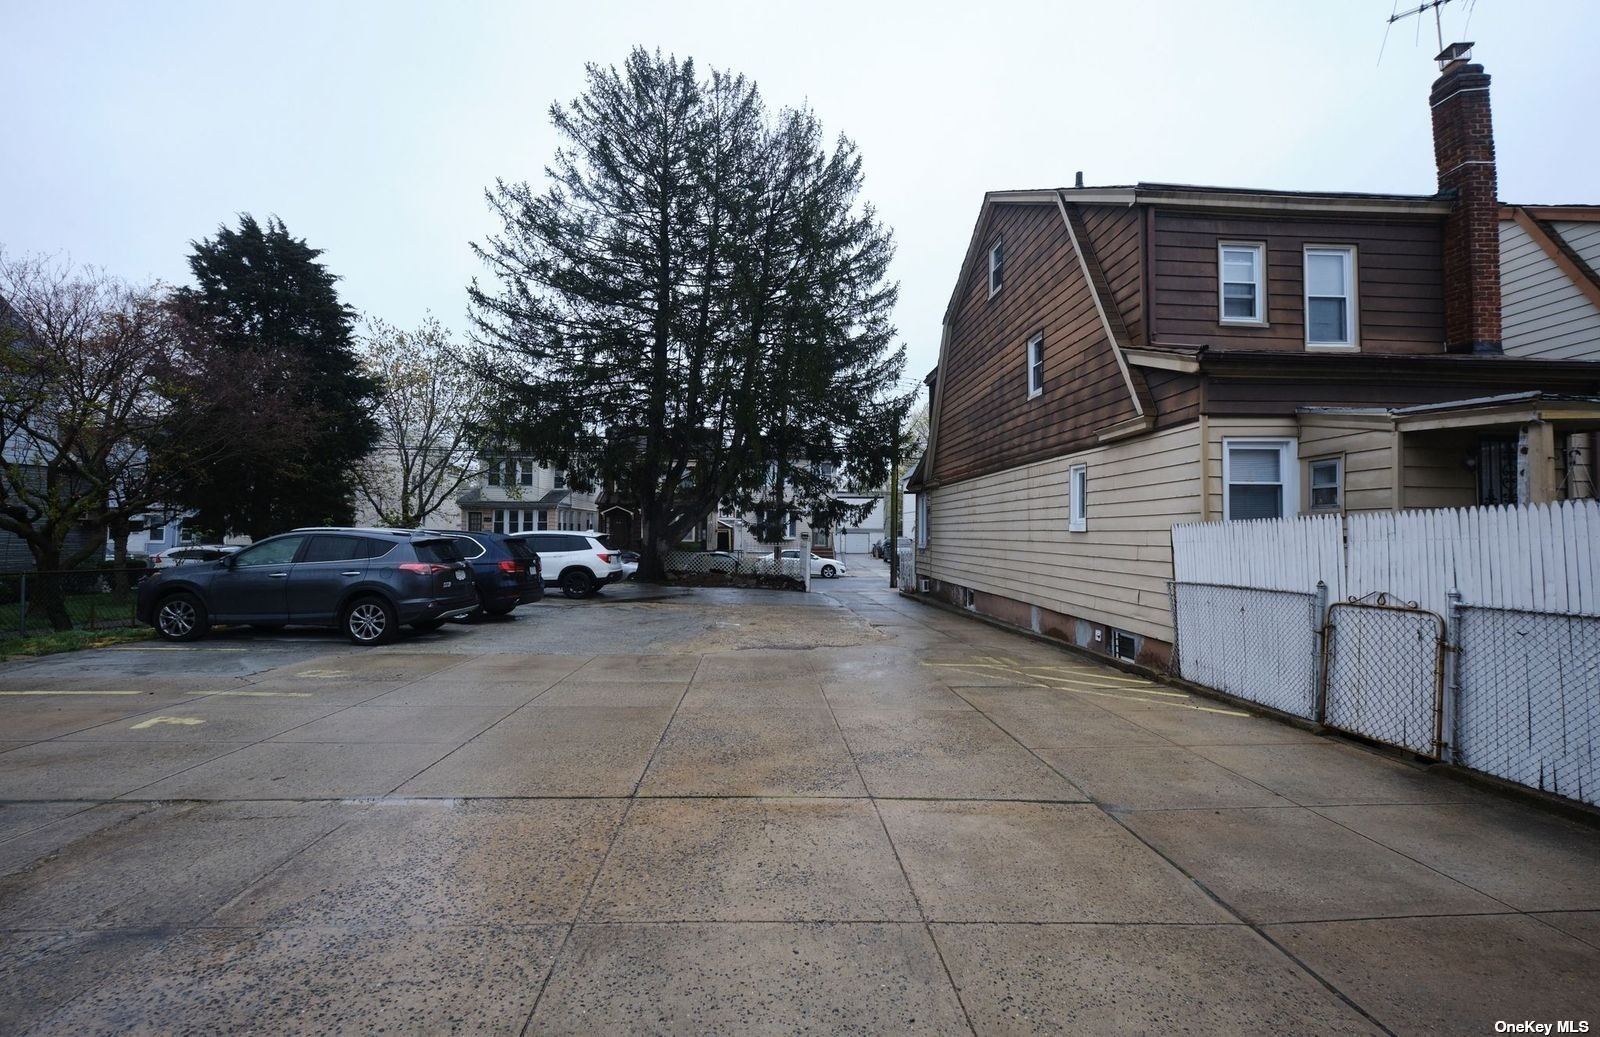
(426, 400)
(96, 381)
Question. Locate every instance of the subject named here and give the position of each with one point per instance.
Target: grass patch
(70, 641)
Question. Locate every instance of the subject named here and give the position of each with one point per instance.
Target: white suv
(577, 562)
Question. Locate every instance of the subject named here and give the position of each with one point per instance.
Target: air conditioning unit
(924, 585)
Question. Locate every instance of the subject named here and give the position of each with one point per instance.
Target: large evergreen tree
(262, 293)
(696, 302)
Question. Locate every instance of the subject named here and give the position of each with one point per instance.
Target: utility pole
(893, 541)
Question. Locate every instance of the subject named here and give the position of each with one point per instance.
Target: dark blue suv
(365, 582)
(506, 569)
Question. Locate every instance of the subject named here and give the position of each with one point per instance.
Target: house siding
(1368, 452)
(1005, 534)
(1543, 314)
(986, 421)
(1398, 281)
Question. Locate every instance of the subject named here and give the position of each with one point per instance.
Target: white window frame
(1259, 319)
(1288, 470)
(1337, 460)
(1036, 365)
(1078, 498)
(922, 519)
(1352, 308)
(997, 270)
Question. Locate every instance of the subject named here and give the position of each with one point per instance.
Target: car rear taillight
(604, 556)
(424, 568)
(511, 565)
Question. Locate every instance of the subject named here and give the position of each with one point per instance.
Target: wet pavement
(742, 812)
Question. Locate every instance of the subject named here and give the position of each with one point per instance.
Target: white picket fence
(1538, 557)
(1525, 691)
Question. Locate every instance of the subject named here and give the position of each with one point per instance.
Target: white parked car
(578, 563)
(827, 568)
(190, 555)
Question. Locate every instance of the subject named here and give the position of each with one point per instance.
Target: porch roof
(1572, 413)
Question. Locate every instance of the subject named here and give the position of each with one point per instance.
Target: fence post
(1452, 660)
(1319, 660)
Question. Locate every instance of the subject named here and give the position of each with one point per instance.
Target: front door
(331, 563)
(255, 587)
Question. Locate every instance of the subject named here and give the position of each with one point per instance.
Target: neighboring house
(382, 467)
(517, 495)
(23, 452)
(1118, 360)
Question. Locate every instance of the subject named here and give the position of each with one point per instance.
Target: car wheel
(498, 610)
(181, 617)
(577, 583)
(427, 625)
(829, 572)
(370, 621)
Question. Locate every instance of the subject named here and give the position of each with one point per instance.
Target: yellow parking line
(1150, 690)
(263, 694)
(153, 721)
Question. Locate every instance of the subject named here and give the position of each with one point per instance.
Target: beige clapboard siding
(1006, 533)
(1436, 474)
(1543, 314)
(1368, 452)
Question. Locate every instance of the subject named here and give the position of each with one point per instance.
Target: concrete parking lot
(737, 812)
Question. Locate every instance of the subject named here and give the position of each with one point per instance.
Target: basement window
(1124, 645)
(1242, 281)
(1035, 366)
(997, 263)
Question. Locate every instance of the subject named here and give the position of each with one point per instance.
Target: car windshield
(519, 549)
(440, 551)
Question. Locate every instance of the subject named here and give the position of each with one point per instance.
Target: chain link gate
(1383, 673)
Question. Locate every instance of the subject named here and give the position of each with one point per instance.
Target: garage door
(856, 542)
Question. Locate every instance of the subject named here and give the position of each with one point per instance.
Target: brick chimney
(1463, 148)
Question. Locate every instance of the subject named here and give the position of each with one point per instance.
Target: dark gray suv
(365, 582)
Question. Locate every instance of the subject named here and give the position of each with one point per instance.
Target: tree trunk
(46, 589)
(119, 554)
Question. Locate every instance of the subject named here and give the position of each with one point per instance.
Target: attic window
(1035, 366)
(997, 263)
(1242, 282)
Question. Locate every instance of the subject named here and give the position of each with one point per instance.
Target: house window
(1035, 366)
(1124, 645)
(525, 472)
(561, 480)
(997, 264)
(544, 520)
(922, 520)
(793, 528)
(1242, 282)
(500, 522)
(1330, 296)
(474, 522)
(1255, 483)
(1327, 484)
(1078, 498)
(494, 472)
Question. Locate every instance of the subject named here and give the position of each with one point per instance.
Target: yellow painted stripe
(11, 693)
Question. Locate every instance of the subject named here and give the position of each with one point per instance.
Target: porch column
(1536, 463)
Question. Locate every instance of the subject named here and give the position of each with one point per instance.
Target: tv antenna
(1417, 13)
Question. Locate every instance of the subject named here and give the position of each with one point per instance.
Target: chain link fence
(1527, 696)
(1385, 672)
(1258, 645)
(78, 599)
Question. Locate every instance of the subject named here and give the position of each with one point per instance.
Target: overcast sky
(372, 128)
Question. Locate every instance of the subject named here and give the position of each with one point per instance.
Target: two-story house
(1117, 360)
(515, 494)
